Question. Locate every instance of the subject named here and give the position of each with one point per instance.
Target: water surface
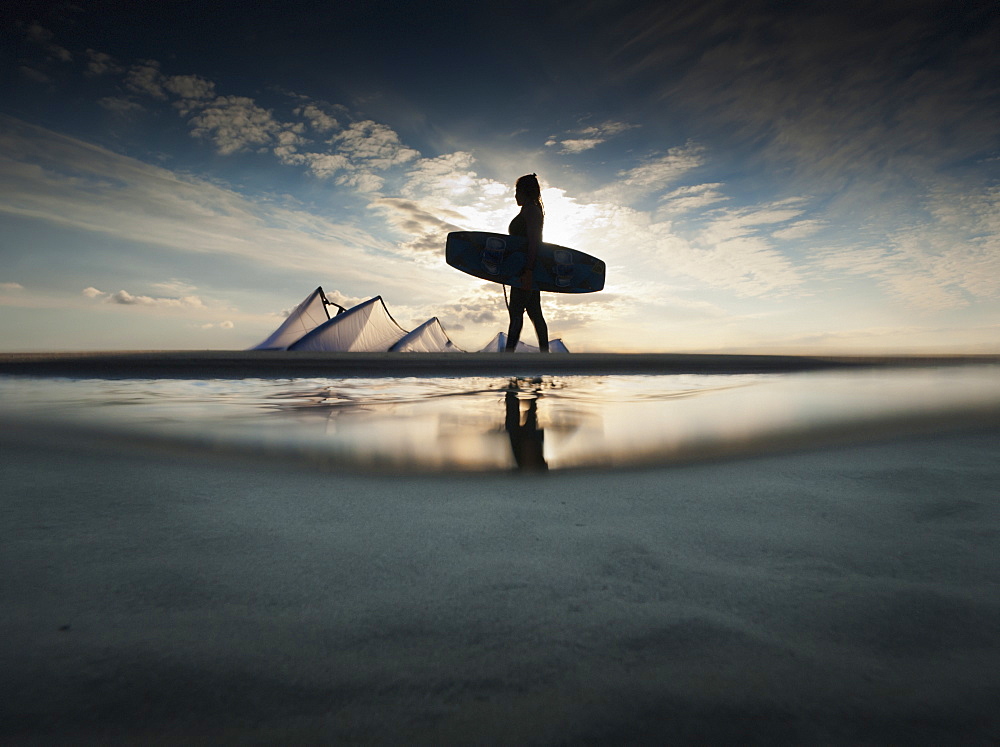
(483, 423)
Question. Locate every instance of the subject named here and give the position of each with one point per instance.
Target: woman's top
(518, 226)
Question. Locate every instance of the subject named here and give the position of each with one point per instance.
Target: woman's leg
(534, 309)
(518, 298)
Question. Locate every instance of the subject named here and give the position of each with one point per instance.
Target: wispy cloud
(692, 198)
(124, 298)
(885, 90)
(800, 229)
(61, 180)
(120, 105)
(587, 138)
(46, 40)
(948, 260)
(654, 174)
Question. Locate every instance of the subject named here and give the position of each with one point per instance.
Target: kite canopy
(429, 337)
(498, 343)
(304, 318)
(369, 328)
(365, 328)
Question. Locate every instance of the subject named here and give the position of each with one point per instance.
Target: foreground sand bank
(241, 364)
(836, 596)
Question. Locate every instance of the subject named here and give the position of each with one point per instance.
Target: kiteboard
(501, 258)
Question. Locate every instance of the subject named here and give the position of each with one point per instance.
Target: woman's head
(527, 191)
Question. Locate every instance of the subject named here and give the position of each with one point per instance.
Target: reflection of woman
(527, 223)
(527, 440)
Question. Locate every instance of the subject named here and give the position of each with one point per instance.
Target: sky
(809, 177)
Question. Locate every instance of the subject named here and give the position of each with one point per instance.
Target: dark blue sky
(806, 175)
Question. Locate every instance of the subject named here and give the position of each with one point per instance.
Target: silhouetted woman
(527, 223)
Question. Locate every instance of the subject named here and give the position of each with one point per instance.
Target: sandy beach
(835, 595)
(840, 596)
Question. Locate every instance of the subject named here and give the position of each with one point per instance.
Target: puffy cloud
(101, 63)
(325, 165)
(578, 145)
(189, 87)
(373, 144)
(235, 123)
(362, 181)
(146, 78)
(318, 119)
(11, 287)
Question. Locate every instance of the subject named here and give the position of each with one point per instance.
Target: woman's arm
(533, 227)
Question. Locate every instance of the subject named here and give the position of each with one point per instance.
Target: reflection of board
(500, 258)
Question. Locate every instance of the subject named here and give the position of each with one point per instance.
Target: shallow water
(484, 424)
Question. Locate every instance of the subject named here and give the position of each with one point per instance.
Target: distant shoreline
(197, 364)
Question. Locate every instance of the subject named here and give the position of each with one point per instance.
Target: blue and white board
(500, 258)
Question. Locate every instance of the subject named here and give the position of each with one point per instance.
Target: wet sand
(840, 595)
(266, 363)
